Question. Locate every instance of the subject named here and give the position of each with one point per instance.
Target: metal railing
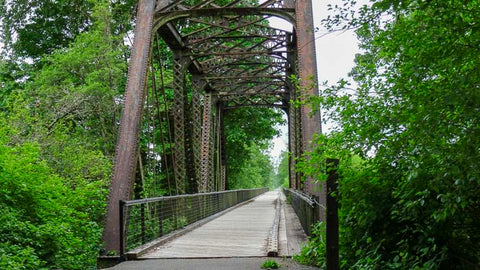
(306, 208)
(144, 220)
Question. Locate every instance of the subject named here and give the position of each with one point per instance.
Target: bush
(42, 222)
(314, 251)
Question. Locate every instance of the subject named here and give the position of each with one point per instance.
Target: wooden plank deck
(235, 240)
(241, 232)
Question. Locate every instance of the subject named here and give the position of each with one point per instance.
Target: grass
(270, 264)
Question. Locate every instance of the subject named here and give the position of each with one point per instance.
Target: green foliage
(408, 137)
(248, 131)
(77, 86)
(69, 105)
(282, 176)
(58, 128)
(314, 251)
(10, 74)
(256, 171)
(34, 28)
(43, 223)
(271, 264)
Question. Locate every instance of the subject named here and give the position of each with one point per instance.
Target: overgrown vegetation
(408, 136)
(62, 76)
(249, 131)
(43, 221)
(313, 252)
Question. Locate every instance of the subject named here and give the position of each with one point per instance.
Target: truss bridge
(192, 63)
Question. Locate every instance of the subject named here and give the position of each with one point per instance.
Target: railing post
(142, 224)
(160, 218)
(174, 213)
(332, 215)
(122, 228)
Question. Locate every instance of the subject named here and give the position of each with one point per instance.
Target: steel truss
(225, 56)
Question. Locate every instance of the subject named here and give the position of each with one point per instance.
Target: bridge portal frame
(295, 53)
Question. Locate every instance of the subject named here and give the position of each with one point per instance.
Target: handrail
(309, 200)
(145, 220)
(163, 198)
(306, 208)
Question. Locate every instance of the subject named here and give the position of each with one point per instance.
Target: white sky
(335, 53)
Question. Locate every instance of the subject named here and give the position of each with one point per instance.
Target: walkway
(241, 232)
(236, 239)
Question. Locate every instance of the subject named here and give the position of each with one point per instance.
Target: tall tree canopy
(58, 111)
(62, 77)
(248, 132)
(412, 202)
(34, 28)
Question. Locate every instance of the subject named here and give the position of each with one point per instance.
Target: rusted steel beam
(198, 88)
(261, 76)
(280, 106)
(245, 59)
(269, 37)
(284, 13)
(235, 53)
(307, 69)
(182, 4)
(180, 65)
(218, 145)
(127, 143)
(206, 151)
(211, 184)
(232, 95)
(222, 147)
(172, 37)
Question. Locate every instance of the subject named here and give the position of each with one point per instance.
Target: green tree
(74, 99)
(412, 201)
(35, 28)
(282, 176)
(43, 222)
(255, 172)
(248, 131)
(58, 125)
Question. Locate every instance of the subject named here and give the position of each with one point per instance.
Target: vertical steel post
(198, 86)
(332, 216)
(211, 184)
(292, 149)
(206, 166)
(121, 184)
(307, 69)
(180, 65)
(218, 130)
(121, 223)
(222, 147)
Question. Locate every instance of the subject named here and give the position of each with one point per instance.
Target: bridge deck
(242, 232)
